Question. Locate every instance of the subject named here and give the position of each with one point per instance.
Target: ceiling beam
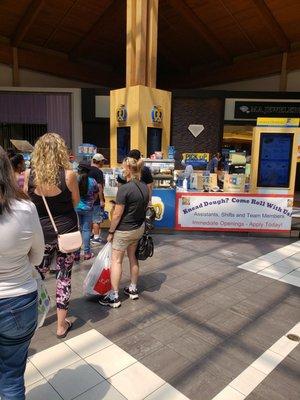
(60, 66)
(241, 29)
(26, 21)
(196, 23)
(272, 24)
(58, 25)
(240, 70)
(92, 33)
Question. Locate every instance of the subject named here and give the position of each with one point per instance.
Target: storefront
(252, 190)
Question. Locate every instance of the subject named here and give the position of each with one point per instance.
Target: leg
(86, 231)
(18, 318)
(63, 289)
(134, 264)
(131, 290)
(116, 268)
(112, 299)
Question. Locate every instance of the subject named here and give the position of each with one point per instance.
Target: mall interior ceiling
(200, 42)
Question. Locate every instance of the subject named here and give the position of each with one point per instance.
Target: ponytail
(83, 183)
(135, 166)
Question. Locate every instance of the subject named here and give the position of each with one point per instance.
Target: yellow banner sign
(278, 121)
(195, 156)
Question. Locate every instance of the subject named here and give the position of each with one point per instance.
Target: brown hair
(9, 190)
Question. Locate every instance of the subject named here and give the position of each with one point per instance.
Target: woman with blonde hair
(126, 228)
(51, 175)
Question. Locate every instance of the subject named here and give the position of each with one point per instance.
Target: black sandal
(66, 332)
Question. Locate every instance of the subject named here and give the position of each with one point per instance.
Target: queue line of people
(32, 241)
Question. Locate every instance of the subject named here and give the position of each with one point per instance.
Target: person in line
(97, 174)
(51, 176)
(213, 164)
(146, 175)
(18, 164)
(126, 228)
(21, 247)
(88, 190)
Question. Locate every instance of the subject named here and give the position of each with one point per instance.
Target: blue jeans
(85, 222)
(18, 320)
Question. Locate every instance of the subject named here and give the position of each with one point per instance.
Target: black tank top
(61, 207)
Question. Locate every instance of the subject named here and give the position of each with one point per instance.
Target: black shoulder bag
(145, 247)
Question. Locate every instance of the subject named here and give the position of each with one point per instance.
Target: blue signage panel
(163, 200)
(275, 159)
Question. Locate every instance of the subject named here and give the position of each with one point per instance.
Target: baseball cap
(136, 154)
(99, 157)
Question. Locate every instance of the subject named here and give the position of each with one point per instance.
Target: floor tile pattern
(199, 323)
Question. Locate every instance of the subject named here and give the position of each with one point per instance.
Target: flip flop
(66, 332)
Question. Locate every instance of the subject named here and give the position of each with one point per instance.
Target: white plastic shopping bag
(97, 280)
(44, 302)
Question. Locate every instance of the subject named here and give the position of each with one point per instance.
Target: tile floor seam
(91, 353)
(121, 370)
(149, 394)
(92, 387)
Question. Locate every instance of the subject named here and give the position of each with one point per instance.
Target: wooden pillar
(130, 42)
(15, 68)
(141, 42)
(283, 75)
(152, 42)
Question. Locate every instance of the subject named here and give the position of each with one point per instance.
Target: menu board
(274, 163)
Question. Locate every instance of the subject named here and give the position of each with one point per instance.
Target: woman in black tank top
(51, 175)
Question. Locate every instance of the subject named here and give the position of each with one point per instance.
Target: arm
(101, 194)
(150, 188)
(72, 183)
(36, 252)
(117, 215)
(26, 180)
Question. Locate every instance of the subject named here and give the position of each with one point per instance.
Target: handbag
(145, 247)
(67, 242)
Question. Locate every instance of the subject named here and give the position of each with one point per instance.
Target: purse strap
(140, 191)
(49, 213)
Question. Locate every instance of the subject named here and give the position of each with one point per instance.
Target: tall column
(141, 42)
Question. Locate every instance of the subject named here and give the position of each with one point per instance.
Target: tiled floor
(199, 323)
(91, 367)
(282, 264)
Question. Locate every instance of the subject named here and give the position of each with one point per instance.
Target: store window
(123, 142)
(154, 136)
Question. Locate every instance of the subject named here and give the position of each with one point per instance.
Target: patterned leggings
(64, 264)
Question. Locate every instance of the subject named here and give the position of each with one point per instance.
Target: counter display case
(162, 172)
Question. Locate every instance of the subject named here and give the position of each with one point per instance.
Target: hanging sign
(195, 159)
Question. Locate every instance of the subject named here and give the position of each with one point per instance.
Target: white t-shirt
(21, 247)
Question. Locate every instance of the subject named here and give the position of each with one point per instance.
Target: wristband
(111, 233)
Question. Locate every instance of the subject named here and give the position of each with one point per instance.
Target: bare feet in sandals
(61, 334)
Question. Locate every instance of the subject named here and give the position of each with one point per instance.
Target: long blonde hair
(133, 166)
(49, 156)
